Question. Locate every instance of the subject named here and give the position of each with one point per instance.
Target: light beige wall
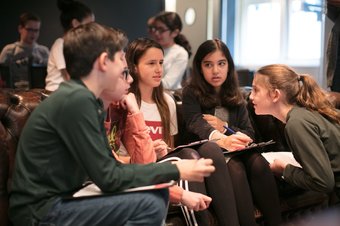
(196, 33)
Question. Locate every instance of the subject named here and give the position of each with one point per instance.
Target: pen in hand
(230, 130)
(233, 132)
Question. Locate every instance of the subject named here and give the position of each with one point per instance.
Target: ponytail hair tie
(299, 78)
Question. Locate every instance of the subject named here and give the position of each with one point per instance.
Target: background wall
(128, 15)
(207, 22)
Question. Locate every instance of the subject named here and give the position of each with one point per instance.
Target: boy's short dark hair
(84, 44)
(28, 16)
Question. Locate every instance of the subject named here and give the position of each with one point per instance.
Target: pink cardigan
(139, 144)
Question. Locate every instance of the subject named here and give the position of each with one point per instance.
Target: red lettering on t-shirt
(155, 129)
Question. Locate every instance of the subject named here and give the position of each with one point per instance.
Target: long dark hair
(135, 51)
(299, 89)
(230, 94)
(173, 21)
(72, 9)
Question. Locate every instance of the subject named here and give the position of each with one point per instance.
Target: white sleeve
(58, 54)
(174, 73)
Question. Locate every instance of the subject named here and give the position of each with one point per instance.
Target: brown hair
(84, 44)
(300, 89)
(28, 16)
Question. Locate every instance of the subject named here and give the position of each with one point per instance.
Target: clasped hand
(215, 122)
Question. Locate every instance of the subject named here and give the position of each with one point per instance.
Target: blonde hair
(300, 89)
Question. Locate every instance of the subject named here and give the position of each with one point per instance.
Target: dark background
(128, 15)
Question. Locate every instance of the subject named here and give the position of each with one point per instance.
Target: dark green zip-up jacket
(62, 145)
(315, 143)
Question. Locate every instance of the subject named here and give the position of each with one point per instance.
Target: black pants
(235, 187)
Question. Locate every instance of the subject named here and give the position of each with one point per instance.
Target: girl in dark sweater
(212, 102)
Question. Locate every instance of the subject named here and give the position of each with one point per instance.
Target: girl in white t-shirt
(145, 61)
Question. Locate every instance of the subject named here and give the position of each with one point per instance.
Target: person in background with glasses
(165, 28)
(20, 54)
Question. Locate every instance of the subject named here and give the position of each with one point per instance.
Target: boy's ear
(75, 23)
(102, 61)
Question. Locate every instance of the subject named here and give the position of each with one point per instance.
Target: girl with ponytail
(165, 29)
(312, 126)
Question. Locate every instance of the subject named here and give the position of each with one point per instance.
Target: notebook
(91, 190)
(251, 147)
(180, 147)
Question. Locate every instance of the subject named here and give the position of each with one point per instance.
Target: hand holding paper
(278, 167)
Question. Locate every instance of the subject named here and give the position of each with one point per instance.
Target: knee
(162, 197)
(236, 168)
(212, 151)
(188, 153)
(161, 203)
(158, 205)
(259, 166)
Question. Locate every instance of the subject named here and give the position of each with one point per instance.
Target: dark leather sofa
(16, 106)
